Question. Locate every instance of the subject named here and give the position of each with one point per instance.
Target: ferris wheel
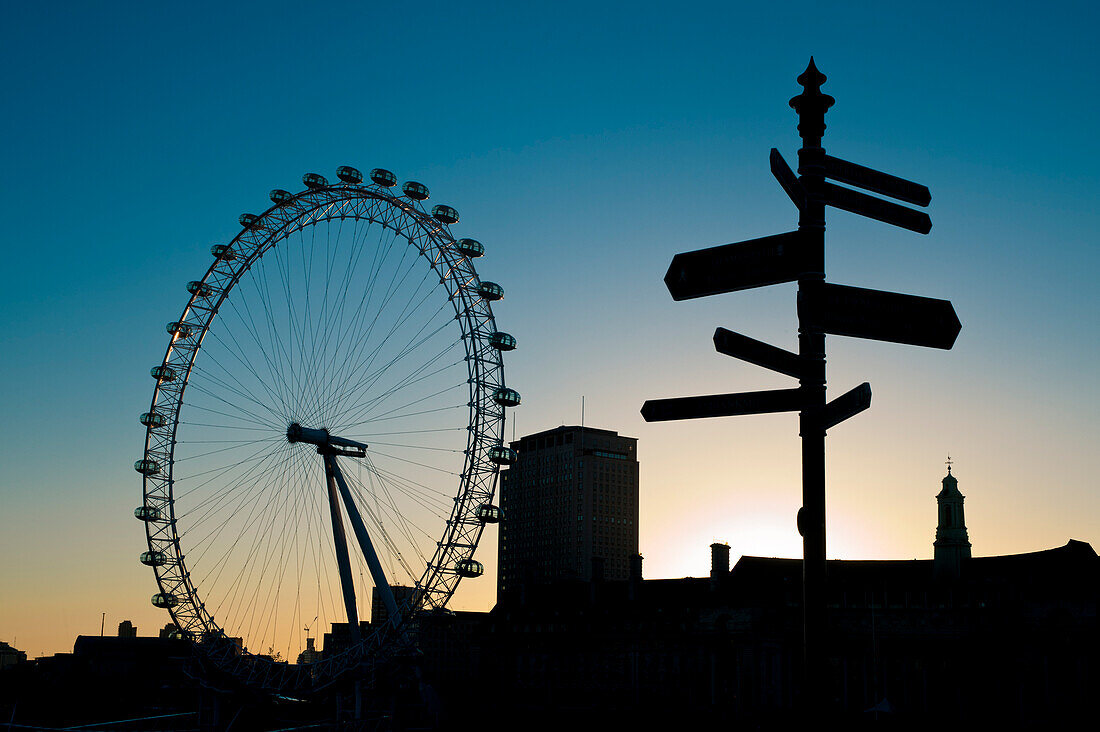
(337, 370)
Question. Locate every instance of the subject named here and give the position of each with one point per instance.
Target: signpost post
(823, 308)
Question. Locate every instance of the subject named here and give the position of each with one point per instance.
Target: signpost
(787, 180)
(822, 308)
(848, 404)
(722, 405)
(881, 316)
(741, 266)
(757, 353)
(873, 180)
(875, 208)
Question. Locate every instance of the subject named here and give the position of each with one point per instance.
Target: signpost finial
(811, 104)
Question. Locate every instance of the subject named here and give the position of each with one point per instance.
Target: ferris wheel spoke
(261, 424)
(366, 407)
(388, 483)
(427, 499)
(347, 370)
(277, 560)
(214, 505)
(290, 321)
(240, 390)
(281, 362)
(226, 505)
(258, 419)
(405, 527)
(241, 444)
(412, 432)
(391, 413)
(218, 472)
(257, 523)
(330, 365)
(272, 360)
(222, 426)
(367, 382)
(355, 323)
(407, 415)
(376, 349)
(414, 462)
(325, 319)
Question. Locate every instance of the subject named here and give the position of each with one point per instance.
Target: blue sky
(584, 145)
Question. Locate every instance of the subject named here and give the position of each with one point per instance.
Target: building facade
(570, 507)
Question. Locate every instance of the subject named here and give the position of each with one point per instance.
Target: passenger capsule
(178, 634)
(383, 177)
(147, 466)
(146, 513)
(200, 288)
(163, 373)
(349, 174)
(446, 214)
(487, 513)
(223, 251)
(153, 559)
(164, 599)
(415, 191)
(153, 419)
(279, 197)
(177, 328)
(470, 247)
(502, 341)
(469, 568)
(249, 221)
(490, 291)
(506, 397)
(314, 181)
(502, 455)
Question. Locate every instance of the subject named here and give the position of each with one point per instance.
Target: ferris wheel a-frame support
(329, 446)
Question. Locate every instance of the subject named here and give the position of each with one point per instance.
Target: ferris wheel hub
(326, 443)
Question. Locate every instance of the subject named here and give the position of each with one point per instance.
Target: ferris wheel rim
(462, 531)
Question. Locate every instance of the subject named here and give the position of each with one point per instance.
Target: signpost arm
(811, 106)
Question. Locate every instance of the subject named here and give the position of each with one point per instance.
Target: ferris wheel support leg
(365, 544)
(343, 561)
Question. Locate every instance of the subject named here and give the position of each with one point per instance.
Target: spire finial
(811, 105)
(949, 463)
(811, 79)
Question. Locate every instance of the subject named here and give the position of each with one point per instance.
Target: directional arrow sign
(758, 353)
(787, 179)
(722, 405)
(744, 265)
(847, 405)
(883, 316)
(876, 208)
(873, 180)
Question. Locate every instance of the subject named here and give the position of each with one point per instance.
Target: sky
(584, 144)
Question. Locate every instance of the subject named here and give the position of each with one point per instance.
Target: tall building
(570, 505)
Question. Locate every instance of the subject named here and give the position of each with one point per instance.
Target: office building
(570, 507)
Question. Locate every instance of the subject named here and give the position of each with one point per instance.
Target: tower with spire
(952, 543)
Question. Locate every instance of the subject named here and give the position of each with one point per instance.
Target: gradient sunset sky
(584, 144)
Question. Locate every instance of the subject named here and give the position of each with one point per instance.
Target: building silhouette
(570, 506)
(10, 655)
(952, 545)
(954, 641)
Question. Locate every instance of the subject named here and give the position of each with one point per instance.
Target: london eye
(325, 432)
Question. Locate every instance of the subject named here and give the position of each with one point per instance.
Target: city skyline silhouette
(582, 189)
